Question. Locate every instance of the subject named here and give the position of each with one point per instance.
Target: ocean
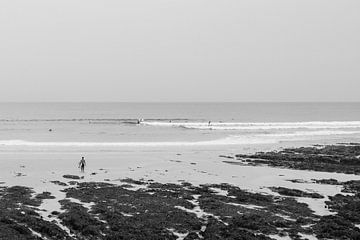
(103, 127)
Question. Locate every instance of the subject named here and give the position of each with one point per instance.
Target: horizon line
(142, 102)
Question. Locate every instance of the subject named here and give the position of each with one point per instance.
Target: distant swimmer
(50, 130)
(82, 164)
(209, 123)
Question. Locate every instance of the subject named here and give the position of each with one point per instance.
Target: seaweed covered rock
(335, 227)
(157, 211)
(119, 213)
(44, 195)
(295, 192)
(348, 207)
(19, 218)
(351, 187)
(331, 158)
(72, 176)
(218, 231)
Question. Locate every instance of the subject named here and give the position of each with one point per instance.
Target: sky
(179, 50)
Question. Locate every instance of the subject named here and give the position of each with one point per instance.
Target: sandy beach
(44, 173)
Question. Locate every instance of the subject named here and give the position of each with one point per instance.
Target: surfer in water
(82, 164)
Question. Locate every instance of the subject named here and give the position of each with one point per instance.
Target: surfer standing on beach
(82, 164)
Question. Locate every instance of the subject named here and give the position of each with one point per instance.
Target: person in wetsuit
(82, 164)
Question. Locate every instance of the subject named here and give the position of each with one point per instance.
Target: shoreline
(218, 205)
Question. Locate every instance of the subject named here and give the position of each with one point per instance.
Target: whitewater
(107, 127)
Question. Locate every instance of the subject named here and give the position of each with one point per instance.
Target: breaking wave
(256, 126)
(230, 140)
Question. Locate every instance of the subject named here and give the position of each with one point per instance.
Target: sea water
(113, 127)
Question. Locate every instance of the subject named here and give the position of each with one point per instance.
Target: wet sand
(43, 172)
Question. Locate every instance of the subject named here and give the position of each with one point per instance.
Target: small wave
(225, 141)
(66, 120)
(257, 126)
(311, 133)
(123, 120)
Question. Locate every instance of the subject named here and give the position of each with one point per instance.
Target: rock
(295, 192)
(59, 183)
(132, 181)
(327, 181)
(18, 215)
(336, 227)
(73, 183)
(44, 195)
(225, 156)
(331, 158)
(297, 180)
(71, 176)
(352, 186)
(192, 236)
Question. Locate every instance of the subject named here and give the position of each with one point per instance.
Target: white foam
(278, 237)
(257, 125)
(307, 236)
(224, 141)
(243, 139)
(313, 133)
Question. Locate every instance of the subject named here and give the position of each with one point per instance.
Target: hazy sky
(180, 50)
